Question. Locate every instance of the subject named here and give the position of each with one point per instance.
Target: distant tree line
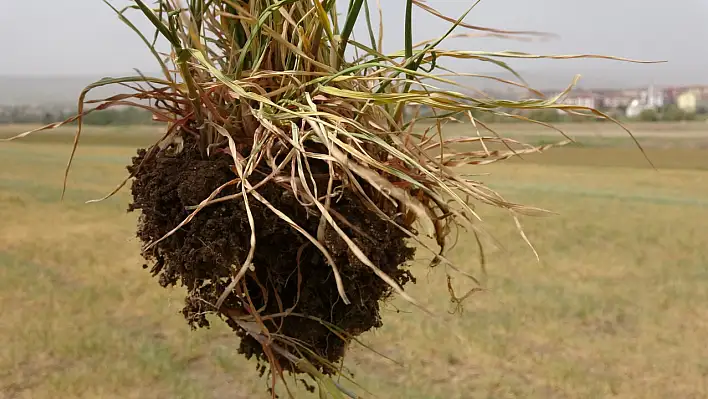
(136, 116)
(107, 117)
(669, 113)
(125, 116)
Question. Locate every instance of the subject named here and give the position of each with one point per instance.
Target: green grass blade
(164, 30)
(150, 45)
(352, 16)
(408, 34)
(369, 25)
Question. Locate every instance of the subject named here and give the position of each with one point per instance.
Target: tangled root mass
(289, 274)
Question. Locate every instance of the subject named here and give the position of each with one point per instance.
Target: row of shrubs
(108, 117)
(670, 113)
(134, 116)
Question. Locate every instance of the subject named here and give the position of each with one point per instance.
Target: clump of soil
(290, 273)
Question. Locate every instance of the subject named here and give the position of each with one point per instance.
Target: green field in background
(614, 308)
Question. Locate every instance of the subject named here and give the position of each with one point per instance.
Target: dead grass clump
(289, 186)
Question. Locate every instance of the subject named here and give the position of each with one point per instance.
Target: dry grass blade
(244, 183)
(333, 388)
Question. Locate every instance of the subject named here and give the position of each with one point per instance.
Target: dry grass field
(615, 308)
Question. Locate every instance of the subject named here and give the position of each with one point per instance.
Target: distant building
(581, 99)
(651, 98)
(671, 95)
(688, 98)
(688, 101)
(614, 99)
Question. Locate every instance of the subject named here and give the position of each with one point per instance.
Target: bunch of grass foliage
(291, 176)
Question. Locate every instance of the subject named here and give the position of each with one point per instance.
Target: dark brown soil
(289, 271)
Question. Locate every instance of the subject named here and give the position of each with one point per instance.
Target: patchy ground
(609, 311)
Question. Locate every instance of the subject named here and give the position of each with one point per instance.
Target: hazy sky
(79, 37)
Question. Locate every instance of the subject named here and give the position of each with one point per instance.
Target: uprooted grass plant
(290, 188)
